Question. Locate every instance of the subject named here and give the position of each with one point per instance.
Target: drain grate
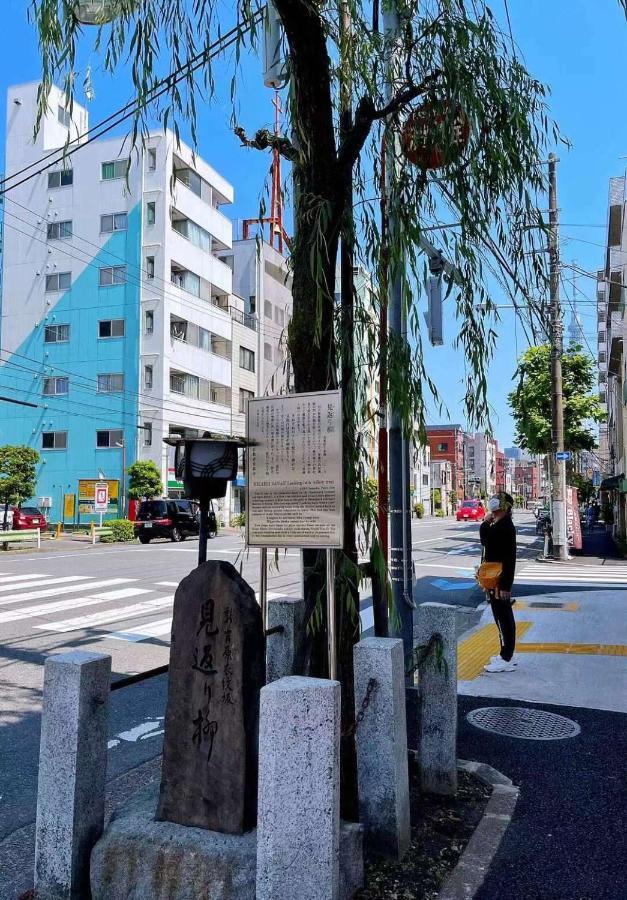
(523, 722)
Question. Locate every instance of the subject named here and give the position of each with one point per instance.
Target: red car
(471, 511)
(28, 517)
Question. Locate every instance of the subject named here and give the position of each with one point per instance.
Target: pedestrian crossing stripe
(13, 578)
(21, 586)
(158, 628)
(44, 609)
(65, 589)
(107, 616)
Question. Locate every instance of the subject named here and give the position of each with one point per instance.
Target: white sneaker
(498, 658)
(499, 665)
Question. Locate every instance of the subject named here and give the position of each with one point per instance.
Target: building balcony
(200, 362)
(201, 209)
(202, 263)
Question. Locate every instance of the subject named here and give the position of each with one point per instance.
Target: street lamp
(205, 465)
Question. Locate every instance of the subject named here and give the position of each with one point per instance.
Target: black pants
(503, 613)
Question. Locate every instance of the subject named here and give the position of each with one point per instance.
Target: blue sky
(577, 47)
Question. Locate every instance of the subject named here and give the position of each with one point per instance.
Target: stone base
(140, 859)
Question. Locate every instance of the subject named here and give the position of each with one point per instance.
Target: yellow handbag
(489, 574)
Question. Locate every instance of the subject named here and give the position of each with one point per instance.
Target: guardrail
(18, 537)
(100, 531)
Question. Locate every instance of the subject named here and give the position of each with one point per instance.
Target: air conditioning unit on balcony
(44, 502)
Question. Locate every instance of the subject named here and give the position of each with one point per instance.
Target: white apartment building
(119, 321)
(421, 477)
(481, 461)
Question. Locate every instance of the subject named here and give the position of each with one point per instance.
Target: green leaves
(18, 477)
(144, 480)
(531, 401)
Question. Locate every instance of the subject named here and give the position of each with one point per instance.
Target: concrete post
(72, 772)
(298, 820)
(287, 613)
(381, 740)
(437, 736)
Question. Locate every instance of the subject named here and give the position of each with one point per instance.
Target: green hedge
(239, 520)
(419, 510)
(123, 530)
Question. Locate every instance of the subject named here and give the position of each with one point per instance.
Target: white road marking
(426, 541)
(168, 583)
(121, 594)
(45, 609)
(367, 618)
(35, 584)
(426, 565)
(143, 632)
(68, 589)
(13, 578)
(106, 616)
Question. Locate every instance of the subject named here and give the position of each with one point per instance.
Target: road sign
(563, 456)
(294, 476)
(101, 496)
(596, 478)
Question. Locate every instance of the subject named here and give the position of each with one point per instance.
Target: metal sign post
(263, 586)
(294, 484)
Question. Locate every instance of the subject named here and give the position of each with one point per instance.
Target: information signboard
(294, 471)
(87, 494)
(101, 496)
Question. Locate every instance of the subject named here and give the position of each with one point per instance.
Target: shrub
(239, 520)
(440, 513)
(419, 510)
(122, 530)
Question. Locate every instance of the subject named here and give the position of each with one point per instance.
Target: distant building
(421, 478)
(441, 485)
(500, 471)
(527, 480)
(481, 461)
(447, 444)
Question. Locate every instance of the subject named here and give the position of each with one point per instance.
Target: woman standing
(498, 536)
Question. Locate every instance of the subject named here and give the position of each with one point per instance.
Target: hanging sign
(294, 477)
(422, 137)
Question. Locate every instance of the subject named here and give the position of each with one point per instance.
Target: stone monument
(217, 669)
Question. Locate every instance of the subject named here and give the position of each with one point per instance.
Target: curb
(468, 875)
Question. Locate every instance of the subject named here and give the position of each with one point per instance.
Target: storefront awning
(615, 483)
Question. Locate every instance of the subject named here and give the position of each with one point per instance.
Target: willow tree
(451, 56)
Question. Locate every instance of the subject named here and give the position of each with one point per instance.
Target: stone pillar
(299, 790)
(381, 741)
(72, 772)
(287, 613)
(437, 735)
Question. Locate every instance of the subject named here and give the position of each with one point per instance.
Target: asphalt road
(118, 600)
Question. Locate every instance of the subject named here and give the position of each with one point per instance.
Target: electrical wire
(159, 89)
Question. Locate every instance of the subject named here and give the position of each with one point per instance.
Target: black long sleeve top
(499, 541)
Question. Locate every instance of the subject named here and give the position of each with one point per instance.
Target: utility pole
(558, 466)
(400, 521)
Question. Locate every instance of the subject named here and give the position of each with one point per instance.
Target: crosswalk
(573, 574)
(74, 603)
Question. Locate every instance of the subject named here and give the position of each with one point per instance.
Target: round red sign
(423, 131)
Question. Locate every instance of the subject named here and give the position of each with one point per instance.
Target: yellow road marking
(475, 651)
(583, 649)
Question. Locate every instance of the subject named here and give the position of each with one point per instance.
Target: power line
(160, 88)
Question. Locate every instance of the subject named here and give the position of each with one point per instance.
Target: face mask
(494, 504)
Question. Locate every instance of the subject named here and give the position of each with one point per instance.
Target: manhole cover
(543, 605)
(522, 722)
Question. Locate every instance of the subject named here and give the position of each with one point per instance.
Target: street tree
(18, 476)
(451, 59)
(530, 402)
(144, 480)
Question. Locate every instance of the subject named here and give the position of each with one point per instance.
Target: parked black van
(174, 519)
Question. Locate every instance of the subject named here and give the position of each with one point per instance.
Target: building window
(111, 328)
(279, 316)
(425, 480)
(182, 383)
(244, 397)
(150, 266)
(62, 178)
(111, 383)
(267, 309)
(63, 116)
(246, 359)
(152, 160)
(59, 281)
(190, 179)
(148, 377)
(56, 385)
(267, 352)
(149, 321)
(147, 434)
(59, 231)
(442, 448)
(111, 438)
(193, 233)
(110, 275)
(116, 169)
(54, 440)
(56, 334)
(151, 213)
(113, 222)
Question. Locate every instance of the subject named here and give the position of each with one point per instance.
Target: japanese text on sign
(295, 471)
